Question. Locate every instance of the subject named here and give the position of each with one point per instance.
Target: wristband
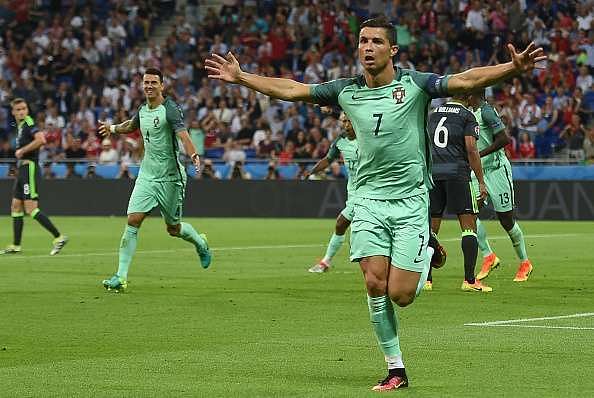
(194, 156)
(112, 129)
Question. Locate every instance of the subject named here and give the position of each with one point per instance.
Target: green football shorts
(349, 210)
(500, 187)
(168, 196)
(398, 229)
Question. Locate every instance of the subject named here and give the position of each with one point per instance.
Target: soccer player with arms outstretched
(162, 178)
(499, 182)
(388, 110)
(25, 196)
(453, 131)
(345, 144)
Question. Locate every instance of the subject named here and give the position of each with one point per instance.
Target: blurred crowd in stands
(80, 61)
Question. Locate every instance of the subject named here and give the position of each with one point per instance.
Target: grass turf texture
(257, 324)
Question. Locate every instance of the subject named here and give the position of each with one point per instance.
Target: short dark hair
(382, 22)
(154, 71)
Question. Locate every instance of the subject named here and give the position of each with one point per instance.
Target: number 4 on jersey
(440, 138)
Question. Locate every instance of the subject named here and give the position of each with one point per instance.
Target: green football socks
(189, 234)
(385, 325)
(127, 249)
(481, 236)
(517, 237)
(334, 245)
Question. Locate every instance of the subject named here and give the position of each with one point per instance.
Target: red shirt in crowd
(527, 150)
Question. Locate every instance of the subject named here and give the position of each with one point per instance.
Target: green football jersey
(394, 152)
(348, 148)
(490, 124)
(159, 127)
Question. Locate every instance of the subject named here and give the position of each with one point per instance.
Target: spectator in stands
(526, 147)
(75, 151)
(286, 155)
(239, 173)
(589, 146)
(267, 148)
(272, 172)
(574, 135)
(71, 172)
(109, 155)
(584, 79)
(233, 152)
(336, 172)
(91, 172)
(530, 114)
(208, 172)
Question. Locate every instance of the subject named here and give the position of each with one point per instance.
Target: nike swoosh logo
(367, 98)
(416, 262)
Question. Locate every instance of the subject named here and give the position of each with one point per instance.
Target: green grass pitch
(256, 324)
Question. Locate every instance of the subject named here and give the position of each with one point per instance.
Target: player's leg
(511, 226)
(170, 196)
(17, 209)
(490, 259)
(437, 203)
(141, 202)
(370, 246)
(59, 241)
(504, 207)
(469, 245)
(17, 213)
(343, 221)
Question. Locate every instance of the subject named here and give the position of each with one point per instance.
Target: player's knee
(402, 299)
(375, 286)
(134, 221)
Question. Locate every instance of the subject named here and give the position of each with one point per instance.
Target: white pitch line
(271, 247)
(546, 318)
(533, 326)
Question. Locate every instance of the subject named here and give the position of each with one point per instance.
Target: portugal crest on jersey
(398, 95)
(156, 121)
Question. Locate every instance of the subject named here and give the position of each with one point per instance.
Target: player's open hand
(482, 193)
(527, 59)
(226, 69)
(104, 129)
(196, 162)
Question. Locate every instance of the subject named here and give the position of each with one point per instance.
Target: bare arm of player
(106, 129)
(37, 143)
(321, 165)
(500, 140)
(485, 76)
(228, 70)
(475, 164)
(189, 147)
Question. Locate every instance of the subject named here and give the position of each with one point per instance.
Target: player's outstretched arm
(485, 76)
(228, 70)
(106, 129)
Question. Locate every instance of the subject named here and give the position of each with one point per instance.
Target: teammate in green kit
(346, 145)
(388, 110)
(498, 178)
(161, 181)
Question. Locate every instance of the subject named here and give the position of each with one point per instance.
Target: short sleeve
(175, 116)
(492, 119)
(333, 152)
(434, 85)
(326, 94)
(471, 128)
(136, 120)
